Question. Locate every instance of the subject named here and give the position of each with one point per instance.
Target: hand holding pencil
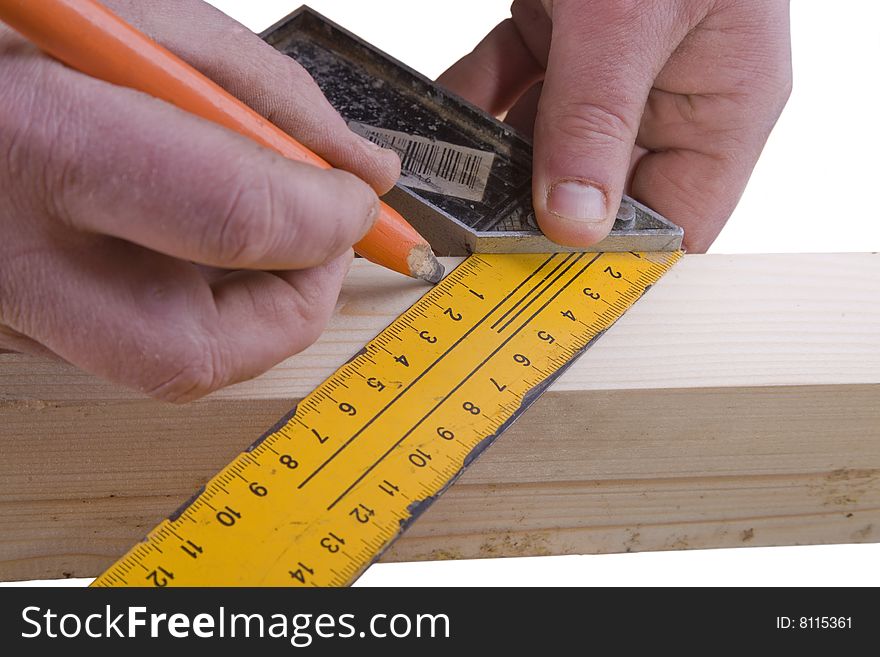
(90, 38)
(154, 248)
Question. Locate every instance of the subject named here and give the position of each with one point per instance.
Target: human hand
(670, 102)
(108, 197)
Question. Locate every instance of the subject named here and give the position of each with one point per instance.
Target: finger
(534, 26)
(272, 83)
(267, 317)
(637, 154)
(588, 116)
(522, 115)
(257, 320)
(700, 191)
(706, 144)
(113, 161)
(152, 323)
(701, 151)
(496, 72)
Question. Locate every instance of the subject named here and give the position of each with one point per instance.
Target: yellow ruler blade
(317, 498)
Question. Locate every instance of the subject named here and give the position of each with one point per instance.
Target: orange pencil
(87, 36)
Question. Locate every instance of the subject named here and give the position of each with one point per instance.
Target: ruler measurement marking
(537, 296)
(468, 376)
(534, 289)
(534, 273)
(406, 388)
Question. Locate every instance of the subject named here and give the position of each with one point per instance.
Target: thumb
(604, 56)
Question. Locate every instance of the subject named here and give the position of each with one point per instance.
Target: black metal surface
(366, 85)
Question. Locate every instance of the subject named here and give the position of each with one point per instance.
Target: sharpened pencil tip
(424, 264)
(436, 273)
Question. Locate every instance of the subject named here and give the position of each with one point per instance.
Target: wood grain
(737, 404)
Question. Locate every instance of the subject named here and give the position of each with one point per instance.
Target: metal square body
(466, 183)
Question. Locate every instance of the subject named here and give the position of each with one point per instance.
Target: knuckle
(15, 151)
(192, 372)
(288, 309)
(62, 181)
(311, 318)
(20, 121)
(40, 138)
(247, 228)
(619, 11)
(786, 86)
(308, 310)
(309, 334)
(612, 17)
(276, 71)
(301, 311)
(582, 121)
(311, 310)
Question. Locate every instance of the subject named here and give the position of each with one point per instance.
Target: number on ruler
(347, 408)
(614, 274)
(427, 337)
(362, 513)
(373, 382)
(593, 295)
(159, 576)
(402, 360)
(300, 573)
(387, 487)
(331, 542)
(546, 337)
(321, 439)
(192, 549)
(419, 458)
(256, 489)
(471, 408)
(228, 516)
(456, 317)
(288, 461)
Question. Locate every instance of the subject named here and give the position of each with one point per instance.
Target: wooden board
(737, 404)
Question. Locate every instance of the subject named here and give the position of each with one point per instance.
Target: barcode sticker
(434, 166)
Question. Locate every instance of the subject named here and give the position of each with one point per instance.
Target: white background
(813, 190)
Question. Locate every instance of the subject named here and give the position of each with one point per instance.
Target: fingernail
(577, 201)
